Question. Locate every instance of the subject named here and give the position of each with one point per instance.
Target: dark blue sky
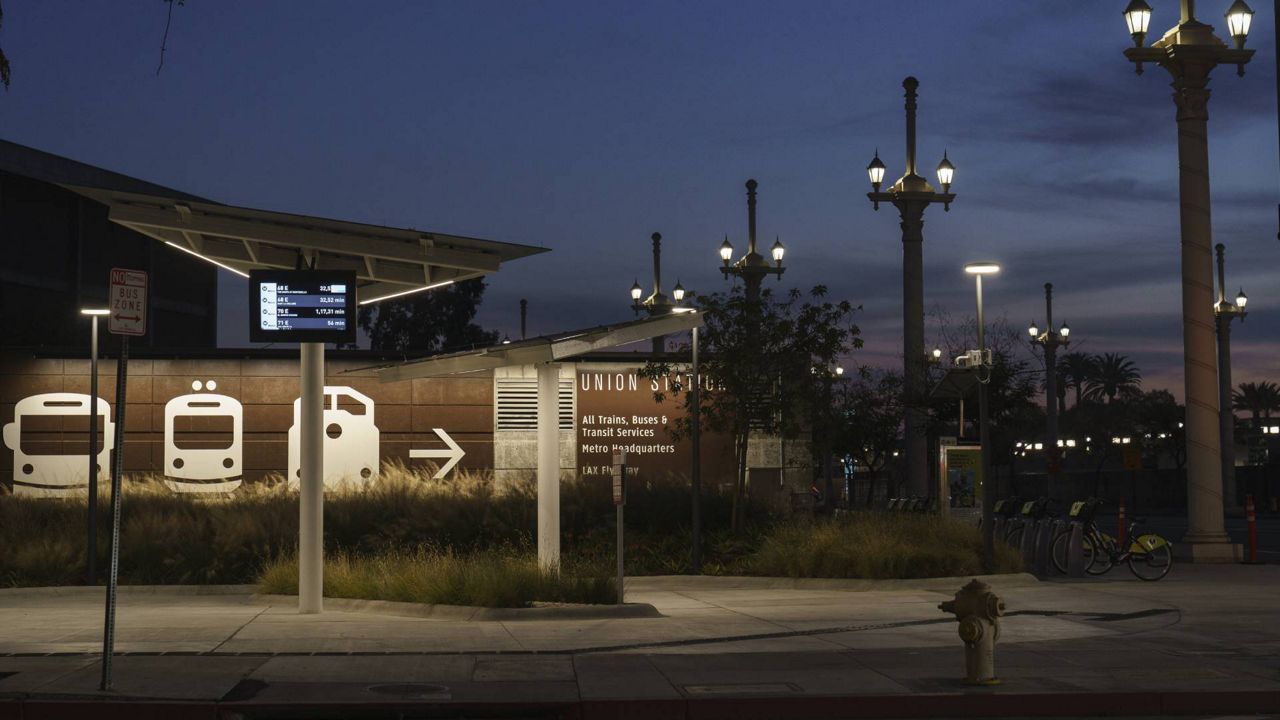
(585, 126)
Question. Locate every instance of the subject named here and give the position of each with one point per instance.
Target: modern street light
(977, 270)
(1051, 340)
(1190, 51)
(91, 548)
(911, 194)
(1224, 312)
(657, 302)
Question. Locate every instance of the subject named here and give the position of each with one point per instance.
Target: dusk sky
(585, 126)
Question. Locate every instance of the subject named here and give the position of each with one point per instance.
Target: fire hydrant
(978, 610)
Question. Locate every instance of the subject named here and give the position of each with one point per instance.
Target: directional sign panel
(128, 302)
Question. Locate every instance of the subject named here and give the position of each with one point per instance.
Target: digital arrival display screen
(302, 306)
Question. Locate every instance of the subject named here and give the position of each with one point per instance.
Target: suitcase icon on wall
(351, 439)
(215, 467)
(42, 473)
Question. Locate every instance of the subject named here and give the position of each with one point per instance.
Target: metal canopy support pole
(695, 426)
(91, 550)
(311, 484)
(549, 466)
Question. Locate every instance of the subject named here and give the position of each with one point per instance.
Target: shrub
(876, 545)
(498, 577)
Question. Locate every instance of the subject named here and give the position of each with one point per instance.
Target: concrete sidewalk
(1204, 640)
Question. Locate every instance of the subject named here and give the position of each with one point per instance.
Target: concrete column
(549, 466)
(311, 484)
(913, 368)
(1206, 538)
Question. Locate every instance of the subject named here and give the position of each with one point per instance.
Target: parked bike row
(1073, 544)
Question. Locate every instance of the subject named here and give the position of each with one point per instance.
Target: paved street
(1206, 639)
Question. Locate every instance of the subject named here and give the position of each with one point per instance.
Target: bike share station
(308, 276)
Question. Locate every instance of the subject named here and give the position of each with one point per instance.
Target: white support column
(311, 487)
(549, 465)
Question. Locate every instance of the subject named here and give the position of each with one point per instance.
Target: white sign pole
(311, 484)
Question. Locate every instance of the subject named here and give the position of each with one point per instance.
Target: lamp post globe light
(1190, 51)
(1050, 339)
(1224, 312)
(911, 194)
(977, 270)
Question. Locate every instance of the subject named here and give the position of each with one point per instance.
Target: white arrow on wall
(453, 454)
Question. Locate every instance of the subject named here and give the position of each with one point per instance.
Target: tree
(428, 322)
(1113, 376)
(1158, 418)
(1076, 368)
(867, 415)
(4, 61)
(771, 363)
(1259, 399)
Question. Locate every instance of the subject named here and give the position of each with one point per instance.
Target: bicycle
(1150, 556)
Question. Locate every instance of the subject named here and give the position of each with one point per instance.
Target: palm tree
(1114, 375)
(1257, 399)
(1075, 368)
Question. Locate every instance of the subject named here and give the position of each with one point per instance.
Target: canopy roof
(547, 348)
(387, 261)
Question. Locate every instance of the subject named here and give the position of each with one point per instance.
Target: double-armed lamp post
(1190, 51)
(1050, 340)
(657, 303)
(911, 194)
(1224, 312)
(752, 267)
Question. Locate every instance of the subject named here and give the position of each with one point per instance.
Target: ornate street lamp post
(752, 267)
(657, 302)
(1224, 312)
(1190, 51)
(1051, 340)
(911, 194)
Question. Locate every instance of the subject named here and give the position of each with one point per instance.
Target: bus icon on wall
(49, 467)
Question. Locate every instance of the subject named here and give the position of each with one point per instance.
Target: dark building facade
(59, 247)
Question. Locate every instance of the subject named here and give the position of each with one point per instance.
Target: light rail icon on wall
(214, 467)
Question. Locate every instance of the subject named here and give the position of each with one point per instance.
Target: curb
(976, 704)
(658, 583)
(468, 612)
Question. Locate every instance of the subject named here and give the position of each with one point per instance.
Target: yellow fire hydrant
(978, 609)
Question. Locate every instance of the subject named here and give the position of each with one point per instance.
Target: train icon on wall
(203, 442)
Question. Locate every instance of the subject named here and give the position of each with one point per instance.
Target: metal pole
(751, 217)
(916, 444)
(1206, 525)
(311, 484)
(695, 426)
(91, 554)
(1051, 389)
(117, 463)
(621, 578)
(659, 342)
(1275, 13)
(549, 466)
(910, 84)
(988, 487)
(1226, 419)
(524, 314)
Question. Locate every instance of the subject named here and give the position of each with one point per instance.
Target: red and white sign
(128, 302)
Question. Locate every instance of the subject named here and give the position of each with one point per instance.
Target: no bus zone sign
(128, 302)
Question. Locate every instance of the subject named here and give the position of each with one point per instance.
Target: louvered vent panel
(517, 400)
